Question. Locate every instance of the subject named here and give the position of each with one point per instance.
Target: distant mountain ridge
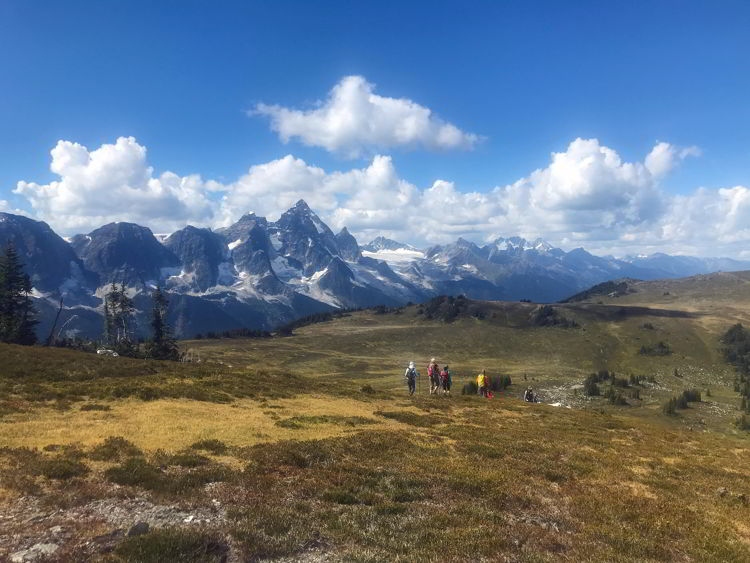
(260, 274)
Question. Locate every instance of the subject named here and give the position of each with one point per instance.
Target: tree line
(18, 317)
(119, 329)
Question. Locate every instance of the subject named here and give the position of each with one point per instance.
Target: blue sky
(529, 78)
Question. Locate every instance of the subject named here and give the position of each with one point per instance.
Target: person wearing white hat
(411, 378)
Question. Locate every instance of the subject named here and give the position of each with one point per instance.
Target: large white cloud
(353, 120)
(586, 193)
(586, 196)
(115, 183)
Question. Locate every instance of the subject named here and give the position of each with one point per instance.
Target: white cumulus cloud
(115, 183)
(353, 120)
(587, 195)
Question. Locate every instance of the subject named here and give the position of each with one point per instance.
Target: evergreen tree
(118, 314)
(109, 323)
(162, 345)
(17, 315)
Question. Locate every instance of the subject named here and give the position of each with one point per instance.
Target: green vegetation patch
(115, 448)
(420, 420)
(138, 472)
(172, 544)
(95, 407)
(296, 422)
(216, 447)
(61, 468)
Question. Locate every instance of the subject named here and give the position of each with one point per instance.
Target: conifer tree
(17, 315)
(109, 323)
(118, 314)
(162, 345)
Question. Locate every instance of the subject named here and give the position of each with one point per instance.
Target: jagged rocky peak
(243, 226)
(200, 251)
(348, 247)
(244, 239)
(301, 235)
(463, 243)
(50, 262)
(382, 243)
(124, 253)
(521, 244)
(302, 218)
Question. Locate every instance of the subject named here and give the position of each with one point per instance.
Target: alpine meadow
(306, 282)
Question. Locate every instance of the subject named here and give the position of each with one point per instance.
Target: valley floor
(307, 448)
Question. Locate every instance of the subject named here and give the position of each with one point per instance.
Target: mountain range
(259, 274)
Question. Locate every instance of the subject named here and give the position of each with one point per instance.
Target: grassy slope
(378, 476)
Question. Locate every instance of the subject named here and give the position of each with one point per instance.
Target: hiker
(529, 395)
(411, 378)
(434, 372)
(446, 379)
(482, 383)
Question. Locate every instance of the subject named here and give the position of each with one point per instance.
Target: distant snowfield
(398, 255)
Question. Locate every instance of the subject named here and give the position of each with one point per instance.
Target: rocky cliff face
(200, 253)
(124, 253)
(51, 263)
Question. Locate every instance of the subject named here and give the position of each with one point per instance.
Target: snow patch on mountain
(395, 256)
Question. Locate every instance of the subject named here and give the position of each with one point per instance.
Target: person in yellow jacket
(482, 383)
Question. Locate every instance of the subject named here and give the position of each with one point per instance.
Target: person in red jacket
(433, 371)
(446, 380)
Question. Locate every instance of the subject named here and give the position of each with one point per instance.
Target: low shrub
(216, 447)
(95, 407)
(661, 348)
(172, 544)
(61, 468)
(615, 397)
(546, 315)
(638, 379)
(670, 407)
(187, 459)
(590, 387)
(115, 448)
(500, 382)
(421, 420)
(135, 471)
(340, 496)
(297, 422)
(692, 395)
(390, 509)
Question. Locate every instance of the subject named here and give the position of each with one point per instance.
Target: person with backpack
(411, 378)
(529, 396)
(481, 387)
(447, 380)
(433, 371)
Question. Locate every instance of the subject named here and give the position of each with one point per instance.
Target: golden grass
(173, 424)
